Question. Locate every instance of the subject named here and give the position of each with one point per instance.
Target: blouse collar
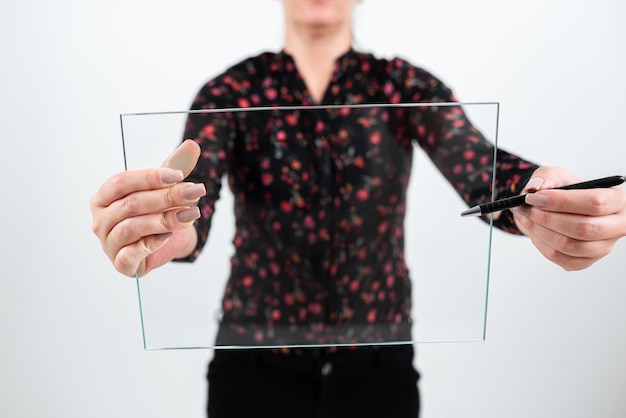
(343, 62)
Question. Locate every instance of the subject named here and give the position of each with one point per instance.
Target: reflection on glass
(325, 235)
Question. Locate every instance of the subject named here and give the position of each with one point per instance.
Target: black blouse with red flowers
(320, 193)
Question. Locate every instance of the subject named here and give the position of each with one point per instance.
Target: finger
(147, 202)
(180, 240)
(133, 229)
(580, 227)
(184, 158)
(127, 182)
(563, 242)
(592, 202)
(131, 259)
(155, 201)
(566, 261)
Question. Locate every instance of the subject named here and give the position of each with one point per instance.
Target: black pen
(511, 202)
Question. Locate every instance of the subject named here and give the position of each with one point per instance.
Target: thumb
(184, 158)
(547, 177)
(533, 185)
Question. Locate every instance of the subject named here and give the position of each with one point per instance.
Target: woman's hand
(144, 218)
(572, 228)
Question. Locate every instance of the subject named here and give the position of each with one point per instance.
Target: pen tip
(475, 211)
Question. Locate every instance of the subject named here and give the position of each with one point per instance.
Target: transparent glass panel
(348, 234)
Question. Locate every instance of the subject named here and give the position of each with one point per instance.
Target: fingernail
(193, 191)
(187, 215)
(169, 176)
(520, 211)
(163, 236)
(537, 200)
(534, 184)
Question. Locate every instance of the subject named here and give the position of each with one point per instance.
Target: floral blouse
(320, 193)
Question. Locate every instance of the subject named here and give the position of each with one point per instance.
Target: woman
(144, 220)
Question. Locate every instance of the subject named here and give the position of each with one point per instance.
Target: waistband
(307, 359)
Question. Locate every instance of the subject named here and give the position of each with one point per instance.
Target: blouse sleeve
(215, 133)
(460, 151)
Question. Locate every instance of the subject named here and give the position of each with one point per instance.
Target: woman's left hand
(571, 228)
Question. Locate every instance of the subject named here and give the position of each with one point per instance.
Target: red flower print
(243, 102)
(469, 154)
(266, 179)
(208, 131)
(371, 316)
(315, 308)
(362, 195)
(281, 136)
(248, 281)
(271, 93)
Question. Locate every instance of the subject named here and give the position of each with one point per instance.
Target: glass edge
(311, 107)
(141, 319)
(123, 142)
(300, 346)
(493, 191)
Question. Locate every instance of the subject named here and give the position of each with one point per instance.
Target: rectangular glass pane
(348, 232)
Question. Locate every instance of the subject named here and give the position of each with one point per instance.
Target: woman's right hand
(144, 218)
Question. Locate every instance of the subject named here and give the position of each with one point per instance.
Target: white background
(70, 342)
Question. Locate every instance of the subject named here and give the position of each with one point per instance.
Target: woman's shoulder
(405, 76)
(261, 59)
(237, 78)
(252, 66)
(394, 65)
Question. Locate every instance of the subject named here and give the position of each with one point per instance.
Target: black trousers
(362, 382)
